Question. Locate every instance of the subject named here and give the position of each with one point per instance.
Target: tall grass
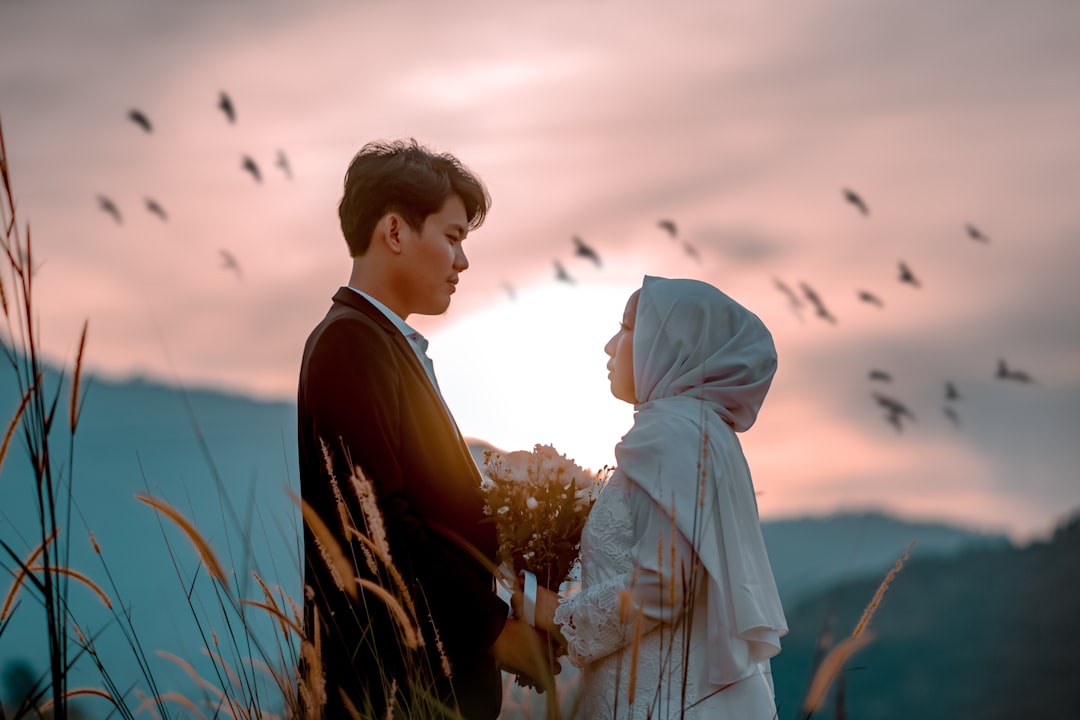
(263, 662)
(42, 575)
(45, 571)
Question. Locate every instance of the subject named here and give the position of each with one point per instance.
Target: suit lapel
(359, 303)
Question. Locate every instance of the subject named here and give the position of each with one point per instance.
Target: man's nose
(461, 262)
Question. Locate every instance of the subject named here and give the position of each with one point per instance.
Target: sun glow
(532, 369)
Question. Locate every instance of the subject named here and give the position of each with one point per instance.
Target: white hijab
(702, 366)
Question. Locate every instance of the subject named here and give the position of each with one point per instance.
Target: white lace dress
(637, 627)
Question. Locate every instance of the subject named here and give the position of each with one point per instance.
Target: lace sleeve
(592, 623)
(602, 618)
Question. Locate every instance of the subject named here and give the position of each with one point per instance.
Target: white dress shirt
(417, 342)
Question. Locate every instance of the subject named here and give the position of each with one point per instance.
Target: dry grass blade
(15, 423)
(171, 696)
(335, 560)
(873, 606)
(412, 636)
(395, 576)
(312, 685)
(836, 658)
(186, 667)
(286, 684)
(229, 672)
(201, 546)
(76, 575)
(21, 577)
(634, 655)
(6, 176)
(74, 414)
(365, 495)
(273, 603)
(277, 614)
(828, 669)
(75, 693)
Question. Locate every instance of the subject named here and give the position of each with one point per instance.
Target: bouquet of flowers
(539, 502)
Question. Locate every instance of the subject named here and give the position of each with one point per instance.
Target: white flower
(553, 465)
(531, 503)
(511, 466)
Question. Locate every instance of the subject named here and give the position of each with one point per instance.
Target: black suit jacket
(364, 393)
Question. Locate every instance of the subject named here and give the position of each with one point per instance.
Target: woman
(678, 612)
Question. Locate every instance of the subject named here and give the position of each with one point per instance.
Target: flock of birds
(582, 250)
(896, 412)
(247, 164)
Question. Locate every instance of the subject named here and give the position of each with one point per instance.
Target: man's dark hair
(407, 178)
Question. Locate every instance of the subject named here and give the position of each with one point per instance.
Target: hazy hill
(986, 634)
(809, 554)
(135, 435)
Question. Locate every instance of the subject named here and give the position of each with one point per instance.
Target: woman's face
(620, 348)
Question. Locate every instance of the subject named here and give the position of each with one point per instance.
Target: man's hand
(521, 649)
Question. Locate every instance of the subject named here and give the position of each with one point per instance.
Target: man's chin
(436, 307)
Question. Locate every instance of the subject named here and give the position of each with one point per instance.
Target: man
(370, 411)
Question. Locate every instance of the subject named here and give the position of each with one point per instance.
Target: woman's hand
(546, 604)
(547, 601)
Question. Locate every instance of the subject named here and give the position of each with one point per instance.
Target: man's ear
(392, 227)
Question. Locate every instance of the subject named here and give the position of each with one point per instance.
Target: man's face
(435, 258)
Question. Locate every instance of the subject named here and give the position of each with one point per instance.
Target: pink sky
(742, 121)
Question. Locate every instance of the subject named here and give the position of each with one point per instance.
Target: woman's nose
(609, 349)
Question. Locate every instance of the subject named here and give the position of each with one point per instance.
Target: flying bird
(226, 106)
(1005, 373)
(853, 197)
(252, 168)
(870, 298)
(510, 291)
(975, 234)
(950, 412)
(951, 393)
(819, 307)
(793, 299)
(669, 226)
(228, 261)
(139, 118)
(880, 375)
(110, 207)
(283, 163)
(691, 250)
(153, 206)
(906, 276)
(896, 410)
(583, 250)
(561, 275)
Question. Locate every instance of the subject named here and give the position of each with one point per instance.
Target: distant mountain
(811, 553)
(139, 436)
(985, 634)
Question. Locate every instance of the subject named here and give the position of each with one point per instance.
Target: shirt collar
(403, 327)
